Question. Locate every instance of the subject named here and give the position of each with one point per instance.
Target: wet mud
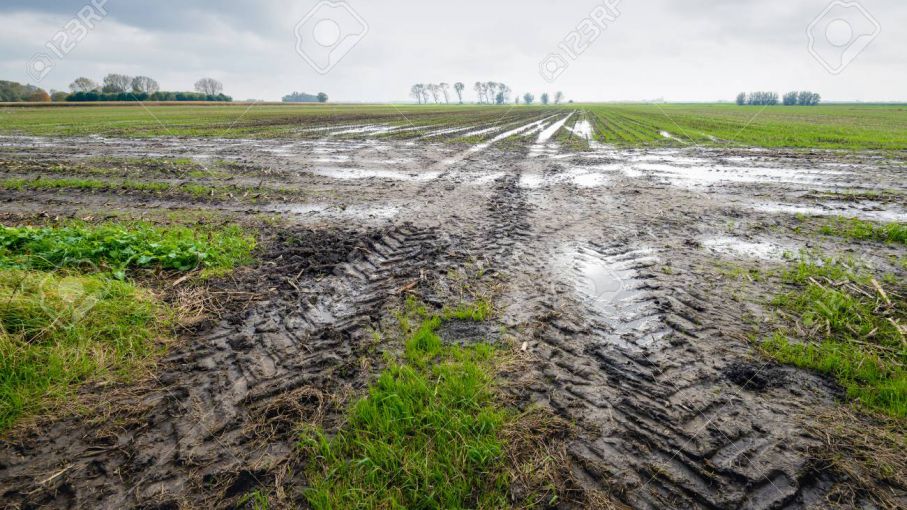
(610, 265)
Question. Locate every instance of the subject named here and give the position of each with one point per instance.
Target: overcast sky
(689, 50)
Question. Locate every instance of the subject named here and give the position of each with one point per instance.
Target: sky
(373, 51)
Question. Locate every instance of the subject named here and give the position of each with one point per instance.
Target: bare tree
(144, 85)
(116, 83)
(545, 98)
(425, 88)
(558, 97)
(741, 99)
(490, 91)
(444, 89)
(434, 89)
(528, 98)
(458, 88)
(416, 91)
(83, 84)
(480, 91)
(209, 86)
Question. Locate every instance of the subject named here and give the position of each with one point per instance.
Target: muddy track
(633, 335)
(218, 420)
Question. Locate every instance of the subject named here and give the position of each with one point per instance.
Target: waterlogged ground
(617, 270)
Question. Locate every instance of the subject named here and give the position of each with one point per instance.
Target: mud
(610, 265)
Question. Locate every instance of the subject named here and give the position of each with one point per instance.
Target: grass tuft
(426, 436)
(60, 329)
(854, 228)
(847, 326)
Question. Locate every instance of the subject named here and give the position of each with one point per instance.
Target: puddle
(582, 129)
(866, 210)
(737, 247)
(507, 134)
(612, 286)
(363, 173)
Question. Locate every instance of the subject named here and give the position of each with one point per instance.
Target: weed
(854, 228)
(847, 326)
(119, 247)
(60, 329)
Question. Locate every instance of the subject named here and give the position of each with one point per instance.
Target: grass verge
(854, 228)
(61, 329)
(68, 314)
(431, 433)
(847, 325)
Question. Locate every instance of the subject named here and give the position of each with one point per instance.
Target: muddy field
(616, 268)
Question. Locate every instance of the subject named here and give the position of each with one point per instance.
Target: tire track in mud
(219, 421)
(644, 372)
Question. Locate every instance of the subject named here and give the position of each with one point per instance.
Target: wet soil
(610, 264)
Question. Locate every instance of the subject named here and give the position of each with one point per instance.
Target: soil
(605, 265)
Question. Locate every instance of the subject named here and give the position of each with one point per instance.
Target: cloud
(692, 50)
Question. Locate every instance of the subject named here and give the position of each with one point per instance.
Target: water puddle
(865, 210)
(736, 247)
(611, 284)
(374, 173)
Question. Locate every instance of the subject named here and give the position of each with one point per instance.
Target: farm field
(572, 306)
(876, 127)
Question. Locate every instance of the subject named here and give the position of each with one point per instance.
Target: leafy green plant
(120, 247)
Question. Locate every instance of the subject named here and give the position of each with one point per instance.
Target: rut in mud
(606, 275)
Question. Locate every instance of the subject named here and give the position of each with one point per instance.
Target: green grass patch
(118, 247)
(58, 330)
(426, 436)
(847, 326)
(854, 228)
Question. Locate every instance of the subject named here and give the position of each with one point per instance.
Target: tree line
(114, 87)
(802, 98)
(302, 97)
(487, 92)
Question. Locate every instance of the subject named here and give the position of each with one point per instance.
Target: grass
(842, 126)
(69, 314)
(428, 435)
(854, 228)
(58, 330)
(846, 325)
(118, 247)
(839, 126)
(188, 189)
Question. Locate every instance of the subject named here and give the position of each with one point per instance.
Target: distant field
(831, 126)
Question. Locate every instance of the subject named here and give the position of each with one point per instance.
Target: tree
(416, 92)
(322, 97)
(480, 91)
(790, 98)
(558, 97)
(741, 98)
(444, 87)
(490, 91)
(434, 89)
(209, 86)
(458, 88)
(116, 83)
(545, 98)
(83, 85)
(144, 85)
(503, 94)
(39, 96)
(807, 98)
(528, 98)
